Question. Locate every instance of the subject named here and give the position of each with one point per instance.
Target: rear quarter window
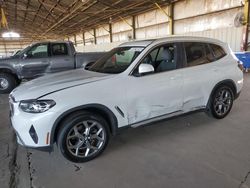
(197, 53)
(218, 51)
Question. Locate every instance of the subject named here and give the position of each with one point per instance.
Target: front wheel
(221, 102)
(83, 137)
(7, 83)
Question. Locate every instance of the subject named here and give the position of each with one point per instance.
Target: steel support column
(83, 38)
(171, 19)
(110, 33)
(94, 31)
(133, 28)
(246, 17)
(169, 14)
(75, 40)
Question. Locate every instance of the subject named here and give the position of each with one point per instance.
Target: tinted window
(59, 49)
(218, 51)
(162, 58)
(38, 51)
(154, 54)
(198, 53)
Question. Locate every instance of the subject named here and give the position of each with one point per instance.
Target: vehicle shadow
(159, 131)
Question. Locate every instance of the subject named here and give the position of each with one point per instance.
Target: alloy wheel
(222, 101)
(85, 139)
(4, 84)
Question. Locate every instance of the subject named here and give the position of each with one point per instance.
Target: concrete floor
(190, 151)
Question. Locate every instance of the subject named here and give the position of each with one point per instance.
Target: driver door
(35, 61)
(159, 93)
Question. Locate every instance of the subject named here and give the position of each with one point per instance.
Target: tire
(221, 102)
(83, 136)
(7, 83)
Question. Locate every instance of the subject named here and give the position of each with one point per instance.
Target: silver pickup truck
(40, 59)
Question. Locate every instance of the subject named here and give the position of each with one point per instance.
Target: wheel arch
(99, 109)
(9, 71)
(228, 82)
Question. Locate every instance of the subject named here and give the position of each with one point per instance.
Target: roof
(175, 38)
(189, 38)
(139, 43)
(53, 19)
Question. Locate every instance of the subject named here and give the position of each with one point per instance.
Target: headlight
(36, 106)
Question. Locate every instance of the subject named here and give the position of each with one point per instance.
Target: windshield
(19, 52)
(16, 52)
(117, 60)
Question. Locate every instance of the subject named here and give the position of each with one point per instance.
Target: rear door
(200, 75)
(61, 58)
(35, 61)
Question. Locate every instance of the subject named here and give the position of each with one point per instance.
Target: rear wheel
(221, 102)
(83, 137)
(7, 83)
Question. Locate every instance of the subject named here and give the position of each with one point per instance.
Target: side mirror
(87, 65)
(25, 56)
(146, 69)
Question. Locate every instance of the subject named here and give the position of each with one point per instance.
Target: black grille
(33, 134)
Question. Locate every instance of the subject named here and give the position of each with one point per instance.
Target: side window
(59, 49)
(197, 53)
(162, 58)
(218, 51)
(151, 57)
(154, 54)
(166, 58)
(38, 51)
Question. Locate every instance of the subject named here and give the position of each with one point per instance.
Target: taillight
(240, 65)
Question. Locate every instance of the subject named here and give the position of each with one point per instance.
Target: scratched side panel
(154, 95)
(31, 68)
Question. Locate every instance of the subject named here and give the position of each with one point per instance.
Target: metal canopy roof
(51, 19)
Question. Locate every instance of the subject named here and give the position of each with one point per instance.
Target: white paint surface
(140, 98)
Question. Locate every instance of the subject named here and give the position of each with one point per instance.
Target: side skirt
(163, 118)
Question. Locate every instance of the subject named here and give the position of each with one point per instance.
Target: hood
(6, 59)
(56, 82)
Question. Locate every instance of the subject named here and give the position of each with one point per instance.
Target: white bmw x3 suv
(134, 84)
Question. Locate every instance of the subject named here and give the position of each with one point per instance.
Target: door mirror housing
(87, 65)
(146, 69)
(25, 56)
